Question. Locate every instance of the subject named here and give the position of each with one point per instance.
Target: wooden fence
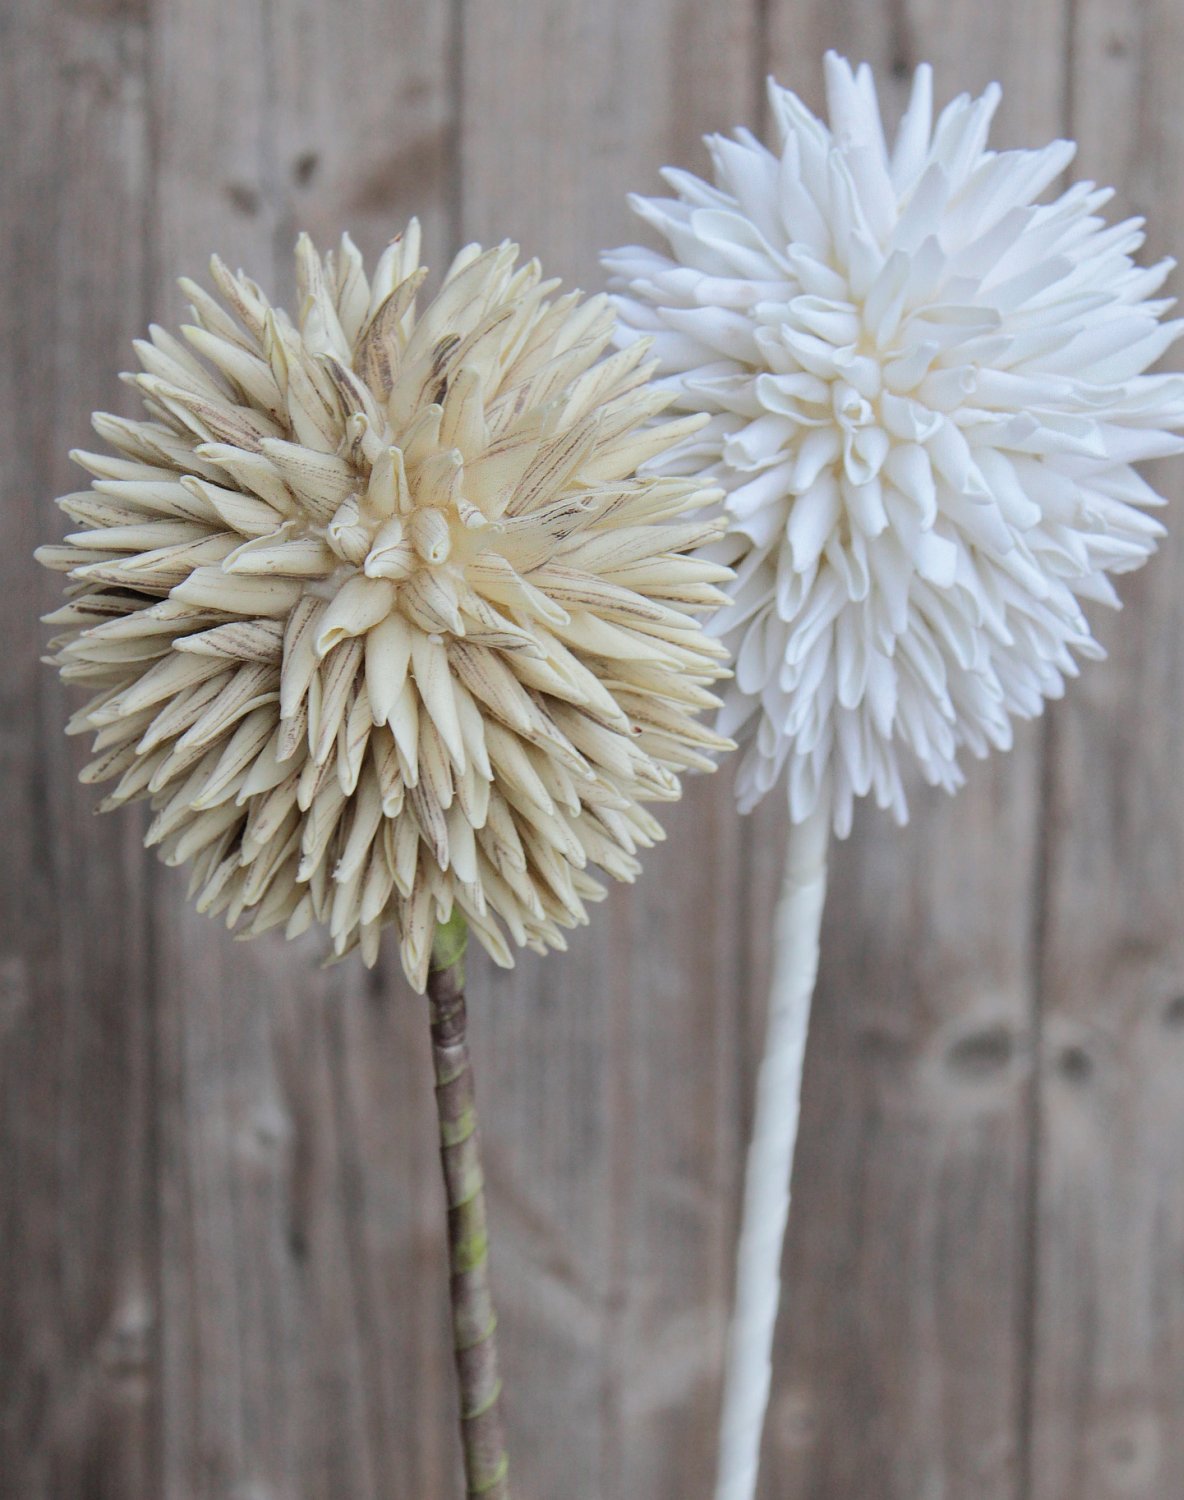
(220, 1262)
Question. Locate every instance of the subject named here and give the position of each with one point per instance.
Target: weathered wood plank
(305, 1346)
(77, 1299)
(1109, 1372)
(900, 1365)
(607, 1076)
(231, 1318)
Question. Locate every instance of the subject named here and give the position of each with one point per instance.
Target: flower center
(401, 541)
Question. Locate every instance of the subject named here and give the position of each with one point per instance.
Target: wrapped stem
(474, 1322)
(748, 1369)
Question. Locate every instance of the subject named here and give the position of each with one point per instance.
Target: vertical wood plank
(900, 1367)
(230, 1333)
(77, 1297)
(1109, 1375)
(606, 1076)
(301, 1257)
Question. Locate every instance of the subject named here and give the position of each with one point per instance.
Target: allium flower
(927, 391)
(376, 611)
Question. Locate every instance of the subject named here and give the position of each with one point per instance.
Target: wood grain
(220, 1210)
(1108, 1372)
(77, 1295)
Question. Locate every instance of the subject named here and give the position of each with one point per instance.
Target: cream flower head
(376, 610)
(927, 391)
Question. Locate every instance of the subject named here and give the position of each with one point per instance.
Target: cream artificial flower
(927, 392)
(376, 610)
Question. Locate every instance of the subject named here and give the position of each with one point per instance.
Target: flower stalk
(474, 1322)
(797, 929)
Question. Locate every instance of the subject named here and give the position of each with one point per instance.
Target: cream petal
(414, 582)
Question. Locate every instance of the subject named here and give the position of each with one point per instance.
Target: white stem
(797, 925)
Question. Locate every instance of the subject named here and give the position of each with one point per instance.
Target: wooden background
(220, 1263)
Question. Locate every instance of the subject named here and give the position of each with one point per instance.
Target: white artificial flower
(927, 392)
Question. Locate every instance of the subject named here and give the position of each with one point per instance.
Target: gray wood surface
(221, 1270)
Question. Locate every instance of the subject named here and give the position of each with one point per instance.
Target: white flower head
(927, 392)
(376, 611)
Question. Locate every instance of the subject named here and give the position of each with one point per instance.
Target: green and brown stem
(474, 1322)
